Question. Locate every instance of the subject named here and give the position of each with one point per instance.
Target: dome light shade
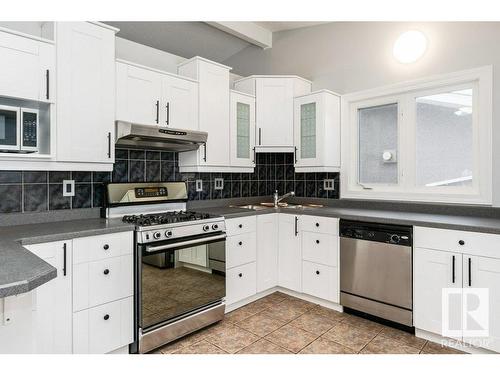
(410, 46)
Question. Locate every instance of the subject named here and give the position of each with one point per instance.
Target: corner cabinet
(317, 132)
(242, 130)
(85, 109)
(213, 116)
(274, 109)
(152, 97)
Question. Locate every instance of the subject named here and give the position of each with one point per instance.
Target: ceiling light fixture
(410, 46)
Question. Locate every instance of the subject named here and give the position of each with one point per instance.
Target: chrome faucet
(278, 199)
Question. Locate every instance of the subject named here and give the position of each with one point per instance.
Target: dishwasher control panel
(386, 233)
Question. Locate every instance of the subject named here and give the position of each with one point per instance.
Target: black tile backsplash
(30, 191)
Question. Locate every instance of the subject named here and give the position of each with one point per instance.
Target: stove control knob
(395, 238)
(156, 235)
(168, 233)
(206, 228)
(215, 226)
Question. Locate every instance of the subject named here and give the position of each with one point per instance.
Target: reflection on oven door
(177, 281)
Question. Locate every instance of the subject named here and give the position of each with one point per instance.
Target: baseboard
(122, 350)
(451, 343)
(305, 297)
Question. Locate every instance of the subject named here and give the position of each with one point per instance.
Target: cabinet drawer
(474, 243)
(320, 248)
(241, 282)
(320, 281)
(88, 249)
(241, 249)
(103, 328)
(241, 225)
(318, 224)
(102, 281)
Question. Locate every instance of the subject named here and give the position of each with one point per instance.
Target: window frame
(405, 95)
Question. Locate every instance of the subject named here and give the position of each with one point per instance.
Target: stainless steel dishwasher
(376, 270)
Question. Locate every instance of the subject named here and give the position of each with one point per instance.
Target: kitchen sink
(255, 207)
(266, 205)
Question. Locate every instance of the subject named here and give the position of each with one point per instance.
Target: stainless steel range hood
(159, 138)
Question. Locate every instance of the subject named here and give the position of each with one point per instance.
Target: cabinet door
(307, 130)
(485, 273)
(242, 130)
(240, 283)
(267, 251)
(274, 111)
(320, 281)
(86, 92)
(52, 308)
(24, 66)
(289, 253)
(434, 271)
(180, 103)
(138, 94)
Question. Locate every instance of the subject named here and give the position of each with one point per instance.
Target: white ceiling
(282, 26)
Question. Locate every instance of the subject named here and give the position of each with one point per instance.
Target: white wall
(152, 57)
(351, 56)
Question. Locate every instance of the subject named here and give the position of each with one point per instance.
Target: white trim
(105, 26)
(404, 93)
(272, 76)
(319, 92)
(242, 93)
(456, 344)
(199, 58)
(136, 65)
(27, 36)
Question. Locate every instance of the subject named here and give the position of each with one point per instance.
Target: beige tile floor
(281, 324)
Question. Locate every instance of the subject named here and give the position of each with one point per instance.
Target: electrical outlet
(199, 185)
(219, 184)
(68, 188)
(328, 184)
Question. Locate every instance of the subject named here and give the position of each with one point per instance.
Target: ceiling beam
(247, 31)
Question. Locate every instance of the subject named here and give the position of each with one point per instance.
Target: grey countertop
(22, 271)
(466, 223)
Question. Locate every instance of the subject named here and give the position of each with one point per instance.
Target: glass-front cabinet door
(242, 129)
(307, 120)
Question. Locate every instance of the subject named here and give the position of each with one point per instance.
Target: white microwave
(19, 129)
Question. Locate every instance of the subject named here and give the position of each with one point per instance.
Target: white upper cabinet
(86, 92)
(213, 116)
(242, 130)
(317, 132)
(138, 94)
(274, 109)
(151, 97)
(28, 68)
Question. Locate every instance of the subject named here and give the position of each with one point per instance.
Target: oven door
(179, 278)
(9, 128)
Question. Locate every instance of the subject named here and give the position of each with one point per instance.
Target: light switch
(68, 188)
(219, 184)
(199, 185)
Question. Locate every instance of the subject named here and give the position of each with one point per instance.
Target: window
(308, 130)
(428, 140)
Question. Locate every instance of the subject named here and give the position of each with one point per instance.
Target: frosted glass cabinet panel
(308, 130)
(317, 132)
(242, 130)
(444, 122)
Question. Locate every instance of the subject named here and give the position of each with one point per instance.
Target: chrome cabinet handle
(47, 79)
(157, 112)
(470, 271)
(65, 258)
(453, 269)
(168, 113)
(151, 249)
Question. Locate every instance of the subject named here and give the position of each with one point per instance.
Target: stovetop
(170, 217)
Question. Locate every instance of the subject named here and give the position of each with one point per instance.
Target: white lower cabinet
(438, 268)
(241, 283)
(289, 253)
(88, 307)
(433, 271)
(241, 269)
(104, 328)
(52, 312)
(320, 281)
(267, 251)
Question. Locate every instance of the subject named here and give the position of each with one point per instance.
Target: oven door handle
(151, 249)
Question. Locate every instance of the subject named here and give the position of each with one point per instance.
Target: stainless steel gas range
(179, 261)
